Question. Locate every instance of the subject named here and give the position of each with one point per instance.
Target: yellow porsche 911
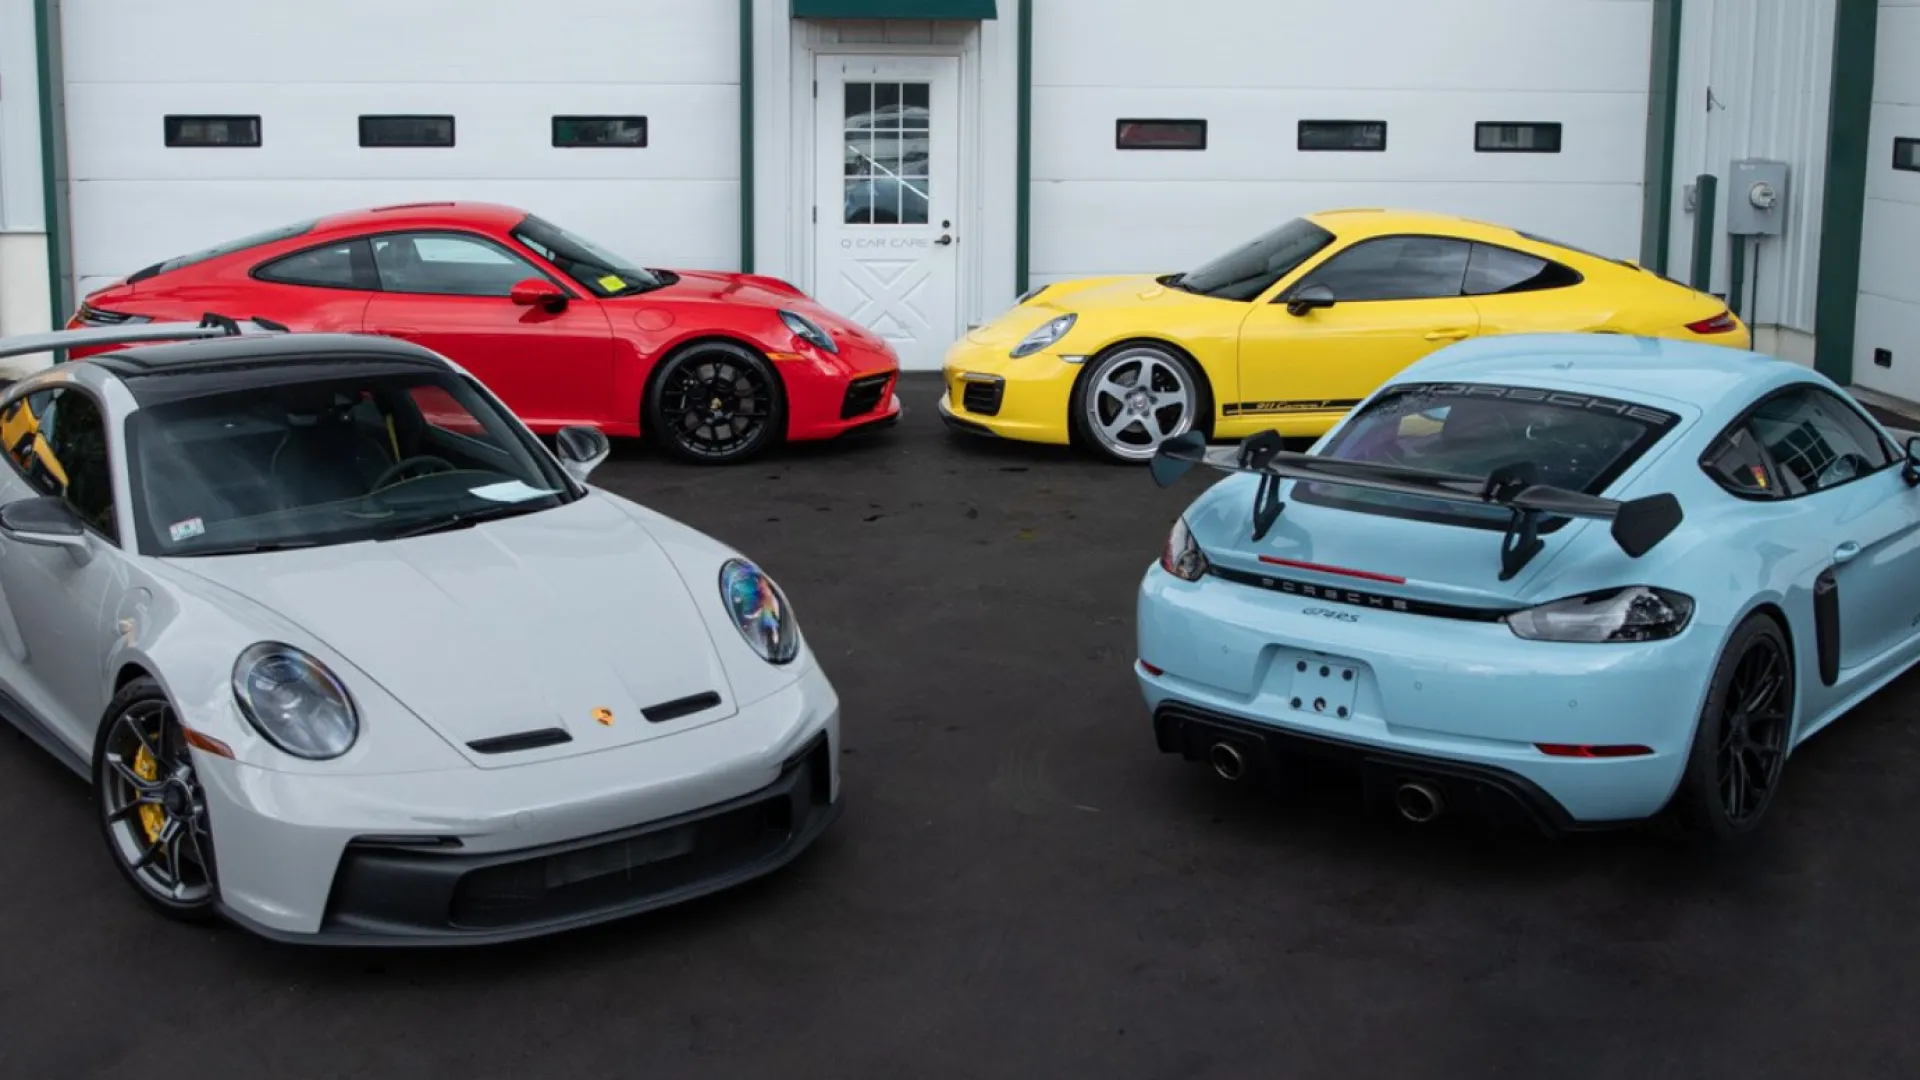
(1290, 331)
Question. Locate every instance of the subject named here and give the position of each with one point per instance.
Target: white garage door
(1423, 74)
(503, 73)
(1887, 335)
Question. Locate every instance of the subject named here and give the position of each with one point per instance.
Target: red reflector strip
(1364, 575)
(1566, 750)
(1150, 669)
(1720, 324)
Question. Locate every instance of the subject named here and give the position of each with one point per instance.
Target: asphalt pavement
(1021, 885)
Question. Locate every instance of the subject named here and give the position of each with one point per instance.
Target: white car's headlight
(1183, 557)
(1636, 613)
(760, 610)
(295, 702)
(1048, 333)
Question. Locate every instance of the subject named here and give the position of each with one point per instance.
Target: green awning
(894, 9)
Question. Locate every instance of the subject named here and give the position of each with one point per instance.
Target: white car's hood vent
(554, 634)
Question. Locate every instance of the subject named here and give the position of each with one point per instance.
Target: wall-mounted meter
(1757, 198)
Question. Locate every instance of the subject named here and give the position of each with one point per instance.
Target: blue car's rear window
(1574, 441)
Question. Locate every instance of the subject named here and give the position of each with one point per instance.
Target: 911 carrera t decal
(1268, 408)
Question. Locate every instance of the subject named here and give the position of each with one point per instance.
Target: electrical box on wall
(1757, 198)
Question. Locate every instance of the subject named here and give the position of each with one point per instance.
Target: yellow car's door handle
(1449, 335)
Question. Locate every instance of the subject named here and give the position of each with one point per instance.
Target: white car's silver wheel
(152, 808)
(1137, 398)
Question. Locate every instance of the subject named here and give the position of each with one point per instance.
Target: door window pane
(445, 264)
(1396, 268)
(1817, 440)
(886, 140)
(57, 440)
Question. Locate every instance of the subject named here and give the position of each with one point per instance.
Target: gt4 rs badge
(1329, 613)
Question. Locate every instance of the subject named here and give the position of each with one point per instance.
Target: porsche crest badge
(604, 716)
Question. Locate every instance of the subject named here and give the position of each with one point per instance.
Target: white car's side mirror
(46, 521)
(581, 449)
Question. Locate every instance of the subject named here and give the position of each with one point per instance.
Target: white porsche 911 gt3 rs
(349, 656)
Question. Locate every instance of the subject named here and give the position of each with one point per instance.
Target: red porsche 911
(716, 367)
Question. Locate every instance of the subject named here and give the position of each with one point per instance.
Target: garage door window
(1906, 155)
(346, 265)
(1396, 268)
(447, 265)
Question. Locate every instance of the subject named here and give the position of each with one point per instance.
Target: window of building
(1906, 155)
(406, 131)
(1395, 268)
(618, 131)
(1511, 137)
(216, 131)
(886, 144)
(1493, 270)
(1350, 135)
(1160, 135)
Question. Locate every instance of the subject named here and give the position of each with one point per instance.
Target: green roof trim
(894, 9)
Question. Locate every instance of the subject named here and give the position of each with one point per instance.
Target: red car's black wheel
(716, 403)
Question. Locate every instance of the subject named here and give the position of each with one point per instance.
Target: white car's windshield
(368, 457)
(1574, 441)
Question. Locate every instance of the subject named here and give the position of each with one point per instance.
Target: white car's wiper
(465, 520)
(250, 549)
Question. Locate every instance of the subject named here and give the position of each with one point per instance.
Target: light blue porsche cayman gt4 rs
(1569, 581)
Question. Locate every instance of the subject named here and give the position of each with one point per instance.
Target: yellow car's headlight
(1049, 332)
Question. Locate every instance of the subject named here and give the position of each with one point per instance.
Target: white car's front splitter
(474, 855)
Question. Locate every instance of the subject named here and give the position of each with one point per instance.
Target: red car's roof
(471, 214)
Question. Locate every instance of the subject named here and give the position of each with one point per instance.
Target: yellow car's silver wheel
(1136, 398)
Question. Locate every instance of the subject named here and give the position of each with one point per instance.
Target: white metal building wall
(1253, 68)
(1769, 66)
(310, 70)
(24, 303)
(1889, 312)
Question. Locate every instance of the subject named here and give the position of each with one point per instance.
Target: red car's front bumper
(855, 390)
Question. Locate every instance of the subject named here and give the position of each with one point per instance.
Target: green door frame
(1843, 211)
(53, 158)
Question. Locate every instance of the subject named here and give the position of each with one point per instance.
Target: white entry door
(887, 251)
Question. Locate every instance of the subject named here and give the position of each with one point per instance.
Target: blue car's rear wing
(1638, 524)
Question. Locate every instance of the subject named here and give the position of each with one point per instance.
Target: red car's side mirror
(538, 292)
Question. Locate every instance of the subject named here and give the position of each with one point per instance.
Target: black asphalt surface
(1021, 885)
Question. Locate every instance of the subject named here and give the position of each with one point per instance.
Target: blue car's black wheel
(1740, 748)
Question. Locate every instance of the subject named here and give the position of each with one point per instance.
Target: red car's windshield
(599, 271)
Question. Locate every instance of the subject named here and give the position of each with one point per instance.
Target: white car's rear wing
(209, 326)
